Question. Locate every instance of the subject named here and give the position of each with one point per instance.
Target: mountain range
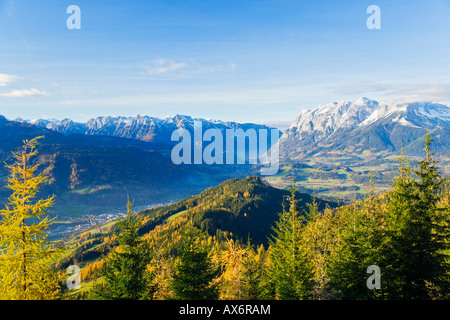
(98, 163)
(352, 127)
(92, 169)
(144, 128)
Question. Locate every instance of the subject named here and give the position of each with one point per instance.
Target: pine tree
(254, 271)
(195, 273)
(417, 243)
(443, 207)
(342, 244)
(434, 232)
(357, 246)
(291, 272)
(125, 272)
(25, 254)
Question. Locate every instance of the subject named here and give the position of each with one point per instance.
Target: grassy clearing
(176, 215)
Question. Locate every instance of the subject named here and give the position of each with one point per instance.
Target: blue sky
(247, 60)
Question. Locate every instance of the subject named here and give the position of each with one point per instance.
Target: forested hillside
(245, 209)
(243, 239)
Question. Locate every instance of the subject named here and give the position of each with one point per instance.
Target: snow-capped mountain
(367, 124)
(145, 128)
(325, 120)
(417, 112)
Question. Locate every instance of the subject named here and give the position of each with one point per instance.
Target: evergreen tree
(357, 246)
(125, 272)
(253, 275)
(195, 273)
(291, 272)
(25, 254)
(417, 243)
(443, 208)
(341, 245)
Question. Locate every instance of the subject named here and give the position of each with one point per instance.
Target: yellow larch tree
(25, 254)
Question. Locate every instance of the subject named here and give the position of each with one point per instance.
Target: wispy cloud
(20, 93)
(6, 79)
(398, 92)
(363, 87)
(161, 66)
(423, 92)
(189, 68)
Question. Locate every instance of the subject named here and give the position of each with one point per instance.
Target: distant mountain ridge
(145, 128)
(99, 170)
(366, 124)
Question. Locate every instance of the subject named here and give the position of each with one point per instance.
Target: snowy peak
(405, 112)
(382, 111)
(361, 112)
(365, 124)
(333, 116)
